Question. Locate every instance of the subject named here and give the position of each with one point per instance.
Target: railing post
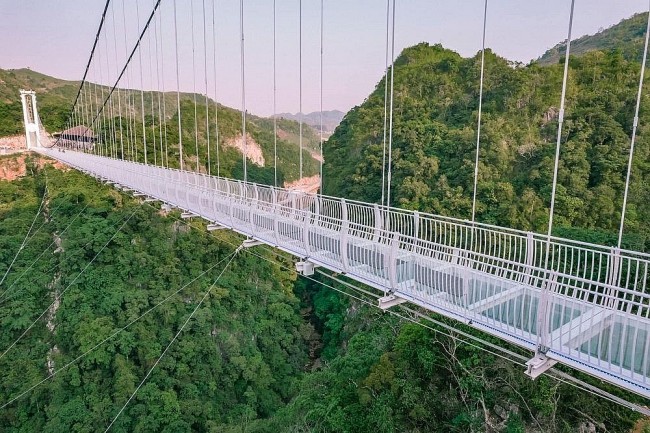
(613, 275)
(253, 205)
(276, 216)
(345, 225)
(231, 205)
(305, 229)
(530, 257)
(416, 224)
(378, 223)
(392, 261)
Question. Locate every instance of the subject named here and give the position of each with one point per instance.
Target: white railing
(587, 304)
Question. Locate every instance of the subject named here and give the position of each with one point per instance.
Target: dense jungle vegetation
(264, 353)
(270, 352)
(434, 140)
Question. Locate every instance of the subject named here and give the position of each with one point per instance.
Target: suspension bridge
(578, 304)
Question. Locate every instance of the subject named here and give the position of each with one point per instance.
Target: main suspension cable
(128, 61)
(216, 104)
(90, 59)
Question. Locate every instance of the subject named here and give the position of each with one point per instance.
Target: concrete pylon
(30, 117)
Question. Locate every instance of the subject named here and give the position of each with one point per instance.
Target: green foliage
(434, 140)
(240, 357)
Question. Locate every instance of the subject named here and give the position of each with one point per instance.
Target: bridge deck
(587, 304)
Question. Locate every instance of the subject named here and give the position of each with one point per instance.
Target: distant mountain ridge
(627, 37)
(331, 119)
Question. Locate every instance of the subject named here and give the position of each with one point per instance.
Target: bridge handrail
(519, 249)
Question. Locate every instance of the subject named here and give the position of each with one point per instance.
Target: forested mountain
(627, 37)
(434, 140)
(55, 98)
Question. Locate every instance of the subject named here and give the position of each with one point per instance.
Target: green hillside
(436, 101)
(627, 37)
(55, 98)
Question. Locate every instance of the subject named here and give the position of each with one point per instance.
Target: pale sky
(55, 37)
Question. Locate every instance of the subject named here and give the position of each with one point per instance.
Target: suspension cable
(90, 59)
(196, 124)
(160, 92)
(119, 97)
(205, 76)
(128, 61)
(243, 89)
(480, 112)
(216, 104)
(162, 88)
(542, 311)
(151, 94)
(300, 82)
(178, 91)
(559, 126)
(390, 128)
(635, 125)
(275, 117)
(383, 154)
(320, 188)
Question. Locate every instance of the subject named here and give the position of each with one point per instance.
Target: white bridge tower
(31, 119)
